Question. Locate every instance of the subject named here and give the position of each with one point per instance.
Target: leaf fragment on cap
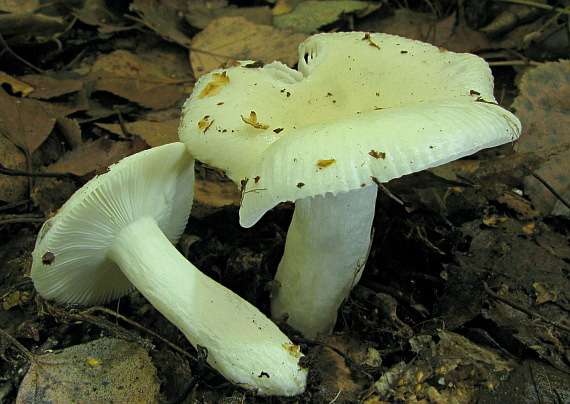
(205, 123)
(325, 163)
(214, 87)
(252, 120)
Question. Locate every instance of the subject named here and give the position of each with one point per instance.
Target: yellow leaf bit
(93, 362)
(214, 87)
(325, 163)
(294, 350)
(205, 123)
(370, 42)
(377, 154)
(252, 120)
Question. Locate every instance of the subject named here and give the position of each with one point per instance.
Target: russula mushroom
(116, 234)
(361, 109)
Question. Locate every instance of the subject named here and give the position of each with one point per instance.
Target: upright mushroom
(361, 109)
(116, 233)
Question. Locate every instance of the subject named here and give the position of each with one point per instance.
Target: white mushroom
(116, 233)
(361, 109)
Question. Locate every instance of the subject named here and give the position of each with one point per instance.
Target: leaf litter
(465, 293)
(104, 370)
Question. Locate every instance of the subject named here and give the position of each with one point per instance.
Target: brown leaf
(46, 87)
(91, 156)
(154, 80)
(12, 189)
(154, 133)
(97, 13)
(87, 160)
(542, 107)
(239, 39)
(425, 27)
(164, 18)
(31, 24)
(20, 7)
(18, 86)
(201, 14)
(25, 122)
(70, 130)
(105, 370)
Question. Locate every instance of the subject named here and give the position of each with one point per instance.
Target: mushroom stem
(243, 344)
(325, 253)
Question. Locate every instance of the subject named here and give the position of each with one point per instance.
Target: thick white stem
(325, 253)
(243, 344)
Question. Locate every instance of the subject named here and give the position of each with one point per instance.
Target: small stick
(523, 309)
(20, 173)
(554, 192)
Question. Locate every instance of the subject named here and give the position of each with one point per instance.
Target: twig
(536, 5)
(20, 219)
(122, 123)
(135, 324)
(19, 173)
(554, 192)
(523, 309)
(13, 341)
(13, 205)
(11, 52)
(515, 63)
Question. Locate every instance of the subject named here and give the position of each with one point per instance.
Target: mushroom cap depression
(361, 108)
(70, 262)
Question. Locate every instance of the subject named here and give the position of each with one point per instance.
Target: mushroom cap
(361, 108)
(70, 262)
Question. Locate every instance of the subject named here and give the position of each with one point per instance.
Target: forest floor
(466, 292)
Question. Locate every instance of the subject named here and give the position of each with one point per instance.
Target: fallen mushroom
(361, 109)
(116, 233)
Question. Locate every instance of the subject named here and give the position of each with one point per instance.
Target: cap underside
(69, 260)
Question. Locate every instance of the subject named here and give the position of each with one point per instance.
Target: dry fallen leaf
(163, 17)
(200, 14)
(12, 189)
(44, 26)
(105, 370)
(153, 80)
(20, 6)
(18, 86)
(24, 121)
(446, 33)
(46, 87)
(237, 38)
(91, 157)
(310, 15)
(542, 107)
(99, 14)
(545, 293)
(459, 363)
(154, 133)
